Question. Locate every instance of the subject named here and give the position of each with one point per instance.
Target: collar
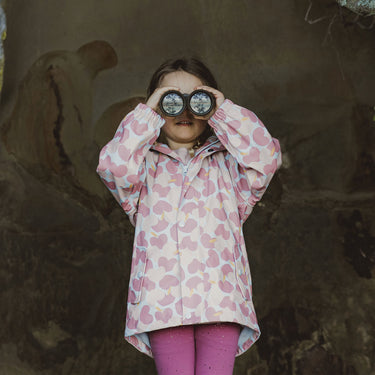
(211, 145)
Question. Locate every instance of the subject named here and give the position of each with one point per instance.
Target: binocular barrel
(199, 103)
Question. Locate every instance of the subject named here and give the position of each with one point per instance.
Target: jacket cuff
(144, 113)
(227, 109)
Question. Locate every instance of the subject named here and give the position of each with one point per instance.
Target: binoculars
(199, 102)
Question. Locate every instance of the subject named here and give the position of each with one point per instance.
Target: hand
(219, 97)
(154, 99)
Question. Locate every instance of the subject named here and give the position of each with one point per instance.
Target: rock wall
(2, 37)
(74, 69)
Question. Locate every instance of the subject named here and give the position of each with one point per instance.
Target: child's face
(183, 130)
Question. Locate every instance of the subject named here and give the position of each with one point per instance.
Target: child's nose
(187, 113)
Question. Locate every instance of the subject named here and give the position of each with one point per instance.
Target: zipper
(186, 167)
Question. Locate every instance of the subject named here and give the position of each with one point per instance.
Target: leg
(216, 346)
(174, 350)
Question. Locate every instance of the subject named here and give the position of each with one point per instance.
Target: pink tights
(195, 349)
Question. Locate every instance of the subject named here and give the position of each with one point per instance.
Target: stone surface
(73, 69)
(2, 37)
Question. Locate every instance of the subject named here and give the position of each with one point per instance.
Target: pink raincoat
(189, 263)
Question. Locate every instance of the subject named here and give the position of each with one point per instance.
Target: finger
(219, 96)
(153, 100)
(167, 88)
(209, 89)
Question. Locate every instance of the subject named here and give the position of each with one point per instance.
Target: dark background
(73, 69)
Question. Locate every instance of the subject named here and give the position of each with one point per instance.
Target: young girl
(188, 183)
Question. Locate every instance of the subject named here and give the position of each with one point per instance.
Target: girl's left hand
(219, 97)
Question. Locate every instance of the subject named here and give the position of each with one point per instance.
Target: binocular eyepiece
(199, 102)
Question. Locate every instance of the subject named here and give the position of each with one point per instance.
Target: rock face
(2, 36)
(65, 245)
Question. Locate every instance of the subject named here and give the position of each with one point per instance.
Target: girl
(188, 183)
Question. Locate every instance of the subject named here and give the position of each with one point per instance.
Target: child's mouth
(184, 123)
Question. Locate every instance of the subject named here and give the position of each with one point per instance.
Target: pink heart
(178, 306)
(160, 226)
(252, 156)
(220, 231)
(213, 259)
(226, 255)
(189, 225)
(168, 264)
(164, 316)
(124, 134)
(270, 168)
(117, 170)
(141, 240)
(138, 156)
(173, 232)
(159, 242)
(176, 179)
(138, 128)
(132, 178)
(110, 185)
(124, 153)
(207, 241)
(247, 113)
(244, 185)
(136, 284)
(206, 283)
(140, 255)
(226, 286)
(167, 300)
(244, 309)
(253, 318)
(189, 207)
(202, 210)
(226, 269)
(168, 281)
(219, 214)
(245, 143)
(172, 167)
(233, 216)
(235, 124)
(193, 282)
(227, 302)
(187, 243)
(132, 323)
(203, 175)
(211, 314)
(192, 302)
(195, 265)
(209, 189)
(192, 193)
(260, 138)
(162, 191)
(143, 210)
(162, 206)
(148, 284)
(145, 317)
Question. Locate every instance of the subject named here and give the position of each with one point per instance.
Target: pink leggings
(195, 349)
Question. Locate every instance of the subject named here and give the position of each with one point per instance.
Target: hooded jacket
(189, 262)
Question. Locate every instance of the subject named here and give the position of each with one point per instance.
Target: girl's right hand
(153, 100)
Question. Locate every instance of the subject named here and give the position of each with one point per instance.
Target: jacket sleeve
(256, 154)
(122, 160)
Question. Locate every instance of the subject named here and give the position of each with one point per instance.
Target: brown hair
(189, 65)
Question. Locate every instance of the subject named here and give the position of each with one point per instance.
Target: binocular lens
(172, 104)
(200, 103)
